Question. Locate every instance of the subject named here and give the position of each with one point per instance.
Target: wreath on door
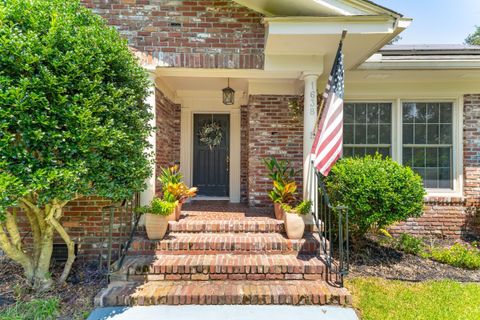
(211, 134)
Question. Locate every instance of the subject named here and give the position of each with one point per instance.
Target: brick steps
(223, 226)
(299, 292)
(201, 243)
(221, 267)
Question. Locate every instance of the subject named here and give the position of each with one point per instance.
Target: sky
(436, 21)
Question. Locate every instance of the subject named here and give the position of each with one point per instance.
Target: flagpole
(322, 103)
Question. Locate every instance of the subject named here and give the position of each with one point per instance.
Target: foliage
(283, 176)
(378, 192)
(458, 255)
(11, 189)
(180, 191)
(303, 208)
(474, 38)
(283, 193)
(33, 310)
(170, 175)
(409, 244)
(172, 186)
(161, 207)
(73, 121)
(280, 170)
(390, 299)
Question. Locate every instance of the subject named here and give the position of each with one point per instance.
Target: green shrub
(378, 192)
(33, 310)
(74, 122)
(458, 255)
(409, 244)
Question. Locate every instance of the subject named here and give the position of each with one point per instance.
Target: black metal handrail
(332, 225)
(118, 234)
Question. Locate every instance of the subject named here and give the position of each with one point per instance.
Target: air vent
(175, 24)
(60, 252)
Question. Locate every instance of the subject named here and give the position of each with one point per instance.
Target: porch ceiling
(299, 37)
(178, 82)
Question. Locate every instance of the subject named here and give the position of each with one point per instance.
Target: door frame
(199, 103)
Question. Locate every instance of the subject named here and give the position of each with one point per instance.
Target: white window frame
(392, 102)
(457, 138)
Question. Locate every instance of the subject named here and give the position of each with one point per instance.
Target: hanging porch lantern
(228, 95)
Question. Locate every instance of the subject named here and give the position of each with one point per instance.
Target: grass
(377, 298)
(38, 309)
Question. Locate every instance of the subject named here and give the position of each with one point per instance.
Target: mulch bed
(374, 260)
(76, 296)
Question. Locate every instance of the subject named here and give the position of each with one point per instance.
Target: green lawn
(377, 298)
(38, 309)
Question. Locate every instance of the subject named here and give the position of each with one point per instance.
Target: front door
(211, 154)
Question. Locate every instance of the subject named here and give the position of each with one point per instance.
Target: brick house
(418, 104)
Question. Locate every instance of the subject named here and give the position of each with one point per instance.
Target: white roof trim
(439, 64)
(271, 8)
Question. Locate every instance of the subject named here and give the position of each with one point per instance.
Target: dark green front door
(211, 163)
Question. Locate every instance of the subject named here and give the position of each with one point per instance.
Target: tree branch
(66, 238)
(12, 228)
(16, 255)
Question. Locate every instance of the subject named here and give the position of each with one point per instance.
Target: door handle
(227, 161)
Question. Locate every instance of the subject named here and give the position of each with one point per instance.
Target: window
(422, 134)
(367, 129)
(427, 141)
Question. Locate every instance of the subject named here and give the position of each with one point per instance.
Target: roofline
(383, 8)
(425, 50)
(366, 5)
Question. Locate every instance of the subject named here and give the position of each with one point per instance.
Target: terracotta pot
(156, 226)
(172, 216)
(294, 225)
(178, 211)
(278, 210)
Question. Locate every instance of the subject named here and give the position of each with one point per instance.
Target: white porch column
(147, 195)
(309, 119)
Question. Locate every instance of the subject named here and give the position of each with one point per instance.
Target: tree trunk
(68, 241)
(43, 222)
(43, 280)
(16, 254)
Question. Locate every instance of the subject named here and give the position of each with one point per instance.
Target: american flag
(327, 146)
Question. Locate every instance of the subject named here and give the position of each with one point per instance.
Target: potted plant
(284, 186)
(282, 194)
(174, 189)
(294, 222)
(180, 192)
(157, 217)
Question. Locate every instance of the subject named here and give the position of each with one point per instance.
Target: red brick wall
(88, 229)
(456, 218)
(194, 34)
(168, 132)
(271, 132)
(471, 148)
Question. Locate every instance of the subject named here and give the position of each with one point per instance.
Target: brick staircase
(223, 254)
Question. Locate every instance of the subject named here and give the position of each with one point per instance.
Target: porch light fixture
(228, 95)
